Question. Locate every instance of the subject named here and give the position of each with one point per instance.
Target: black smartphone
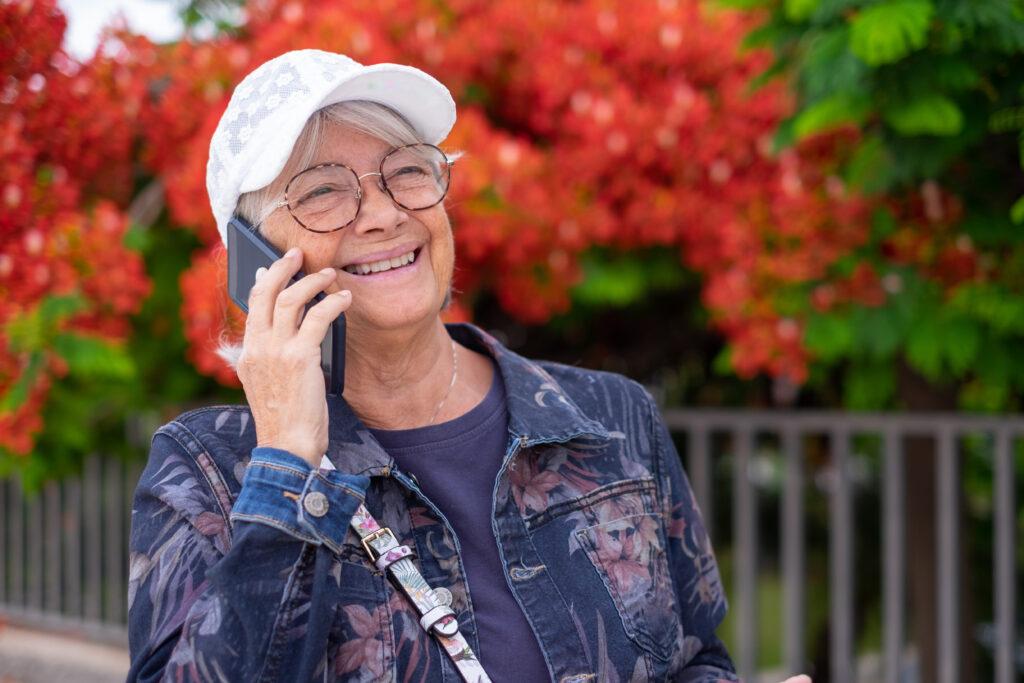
(249, 251)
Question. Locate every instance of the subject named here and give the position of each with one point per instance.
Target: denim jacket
(602, 545)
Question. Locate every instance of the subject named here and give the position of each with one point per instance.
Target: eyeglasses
(327, 197)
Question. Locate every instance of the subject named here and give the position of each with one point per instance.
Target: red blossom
(583, 124)
(66, 147)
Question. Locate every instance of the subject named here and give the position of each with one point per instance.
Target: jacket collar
(539, 410)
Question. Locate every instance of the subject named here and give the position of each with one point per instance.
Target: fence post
(51, 519)
(700, 474)
(893, 569)
(745, 553)
(93, 538)
(947, 513)
(841, 562)
(1005, 558)
(793, 550)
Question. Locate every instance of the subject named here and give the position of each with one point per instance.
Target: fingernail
(260, 272)
(291, 253)
(344, 294)
(327, 271)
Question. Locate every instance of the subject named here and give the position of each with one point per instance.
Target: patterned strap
(436, 618)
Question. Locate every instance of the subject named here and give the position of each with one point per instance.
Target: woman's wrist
(301, 449)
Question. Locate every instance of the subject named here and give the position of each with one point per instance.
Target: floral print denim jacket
(602, 543)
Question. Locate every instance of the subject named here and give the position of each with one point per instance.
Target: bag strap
(436, 617)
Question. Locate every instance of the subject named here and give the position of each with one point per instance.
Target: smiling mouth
(384, 265)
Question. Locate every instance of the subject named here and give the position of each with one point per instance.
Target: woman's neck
(396, 379)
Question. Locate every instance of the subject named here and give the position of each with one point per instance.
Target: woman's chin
(395, 315)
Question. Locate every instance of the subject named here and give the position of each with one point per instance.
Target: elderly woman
(460, 511)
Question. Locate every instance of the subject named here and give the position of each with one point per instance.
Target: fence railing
(64, 557)
(789, 431)
(64, 551)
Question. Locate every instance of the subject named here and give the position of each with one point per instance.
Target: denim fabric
(235, 577)
(277, 482)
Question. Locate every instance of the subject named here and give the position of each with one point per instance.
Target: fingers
(802, 678)
(319, 317)
(291, 303)
(263, 295)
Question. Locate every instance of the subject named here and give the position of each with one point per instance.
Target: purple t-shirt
(455, 464)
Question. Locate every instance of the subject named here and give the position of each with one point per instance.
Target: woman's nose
(377, 210)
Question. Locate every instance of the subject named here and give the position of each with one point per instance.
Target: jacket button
(316, 504)
(444, 596)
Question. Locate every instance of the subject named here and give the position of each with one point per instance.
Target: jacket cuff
(281, 490)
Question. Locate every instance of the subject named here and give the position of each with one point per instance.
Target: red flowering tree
(586, 126)
(591, 132)
(68, 284)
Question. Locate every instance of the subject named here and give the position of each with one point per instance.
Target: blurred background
(798, 222)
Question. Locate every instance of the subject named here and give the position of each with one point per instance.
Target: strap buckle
(373, 536)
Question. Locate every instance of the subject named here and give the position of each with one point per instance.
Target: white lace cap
(271, 105)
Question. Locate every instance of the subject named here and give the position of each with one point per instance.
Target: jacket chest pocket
(607, 547)
(629, 556)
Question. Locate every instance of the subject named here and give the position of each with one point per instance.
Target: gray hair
(371, 118)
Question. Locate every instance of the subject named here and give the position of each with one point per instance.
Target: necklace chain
(455, 374)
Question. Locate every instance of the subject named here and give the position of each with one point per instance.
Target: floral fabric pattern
(602, 542)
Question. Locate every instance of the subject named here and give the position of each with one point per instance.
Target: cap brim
(417, 96)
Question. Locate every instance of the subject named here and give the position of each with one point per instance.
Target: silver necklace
(455, 374)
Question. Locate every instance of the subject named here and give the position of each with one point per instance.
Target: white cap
(271, 105)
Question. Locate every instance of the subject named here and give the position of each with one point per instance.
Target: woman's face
(391, 299)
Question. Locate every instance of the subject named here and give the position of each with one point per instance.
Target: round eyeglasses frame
(359, 186)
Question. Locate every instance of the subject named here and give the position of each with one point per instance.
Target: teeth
(381, 266)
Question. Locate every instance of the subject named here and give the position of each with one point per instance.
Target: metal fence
(64, 552)
(789, 430)
(64, 558)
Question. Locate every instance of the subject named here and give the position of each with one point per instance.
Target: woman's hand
(802, 678)
(280, 362)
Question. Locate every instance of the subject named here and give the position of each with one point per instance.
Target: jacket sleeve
(213, 603)
(693, 567)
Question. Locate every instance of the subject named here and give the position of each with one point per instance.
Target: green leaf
(624, 279)
(954, 73)
(924, 347)
(832, 112)
(831, 10)
(888, 32)
(869, 386)
(1017, 211)
(997, 22)
(829, 337)
(743, 4)
(94, 358)
(18, 393)
(961, 339)
(800, 10)
(784, 135)
(138, 239)
(878, 331)
(722, 364)
(883, 223)
(778, 69)
(999, 308)
(828, 66)
(54, 309)
(991, 388)
(33, 329)
(868, 167)
(928, 115)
